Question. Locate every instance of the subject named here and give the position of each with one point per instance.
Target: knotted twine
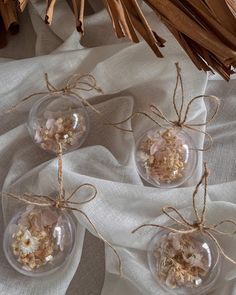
(86, 82)
(75, 83)
(200, 224)
(182, 116)
(61, 202)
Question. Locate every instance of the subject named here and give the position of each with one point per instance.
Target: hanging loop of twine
(75, 83)
(61, 202)
(183, 226)
(181, 113)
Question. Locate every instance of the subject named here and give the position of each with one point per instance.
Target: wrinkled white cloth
(131, 78)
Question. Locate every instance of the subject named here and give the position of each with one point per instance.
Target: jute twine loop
(74, 85)
(182, 113)
(183, 226)
(62, 202)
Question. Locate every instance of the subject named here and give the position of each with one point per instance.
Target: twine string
(49, 85)
(38, 200)
(76, 82)
(99, 235)
(200, 216)
(183, 221)
(229, 221)
(200, 224)
(171, 229)
(216, 101)
(116, 125)
(86, 82)
(61, 195)
(89, 199)
(206, 134)
(158, 112)
(182, 115)
(62, 202)
(222, 252)
(178, 80)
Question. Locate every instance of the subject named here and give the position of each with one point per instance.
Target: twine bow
(200, 225)
(182, 116)
(62, 202)
(85, 82)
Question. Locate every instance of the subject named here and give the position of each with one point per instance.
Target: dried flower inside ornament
(58, 119)
(40, 238)
(61, 116)
(185, 263)
(166, 155)
(185, 258)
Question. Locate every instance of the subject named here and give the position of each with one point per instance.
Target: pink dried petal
(24, 217)
(36, 221)
(37, 224)
(50, 124)
(176, 240)
(189, 250)
(153, 135)
(196, 261)
(170, 280)
(154, 148)
(49, 217)
(24, 221)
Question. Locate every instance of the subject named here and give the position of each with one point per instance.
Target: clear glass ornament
(184, 264)
(38, 240)
(58, 118)
(166, 158)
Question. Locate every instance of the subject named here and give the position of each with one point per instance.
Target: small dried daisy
(28, 243)
(34, 242)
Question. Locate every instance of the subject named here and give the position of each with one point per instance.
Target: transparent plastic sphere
(55, 119)
(38, 241)
(166, 158)
(184, 264)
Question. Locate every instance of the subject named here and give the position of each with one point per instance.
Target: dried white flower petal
(28, 243)
(181, 260)
(163, 155)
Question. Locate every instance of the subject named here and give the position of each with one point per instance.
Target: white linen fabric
(131, 78)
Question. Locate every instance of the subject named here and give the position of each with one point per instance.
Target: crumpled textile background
(131, 78)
